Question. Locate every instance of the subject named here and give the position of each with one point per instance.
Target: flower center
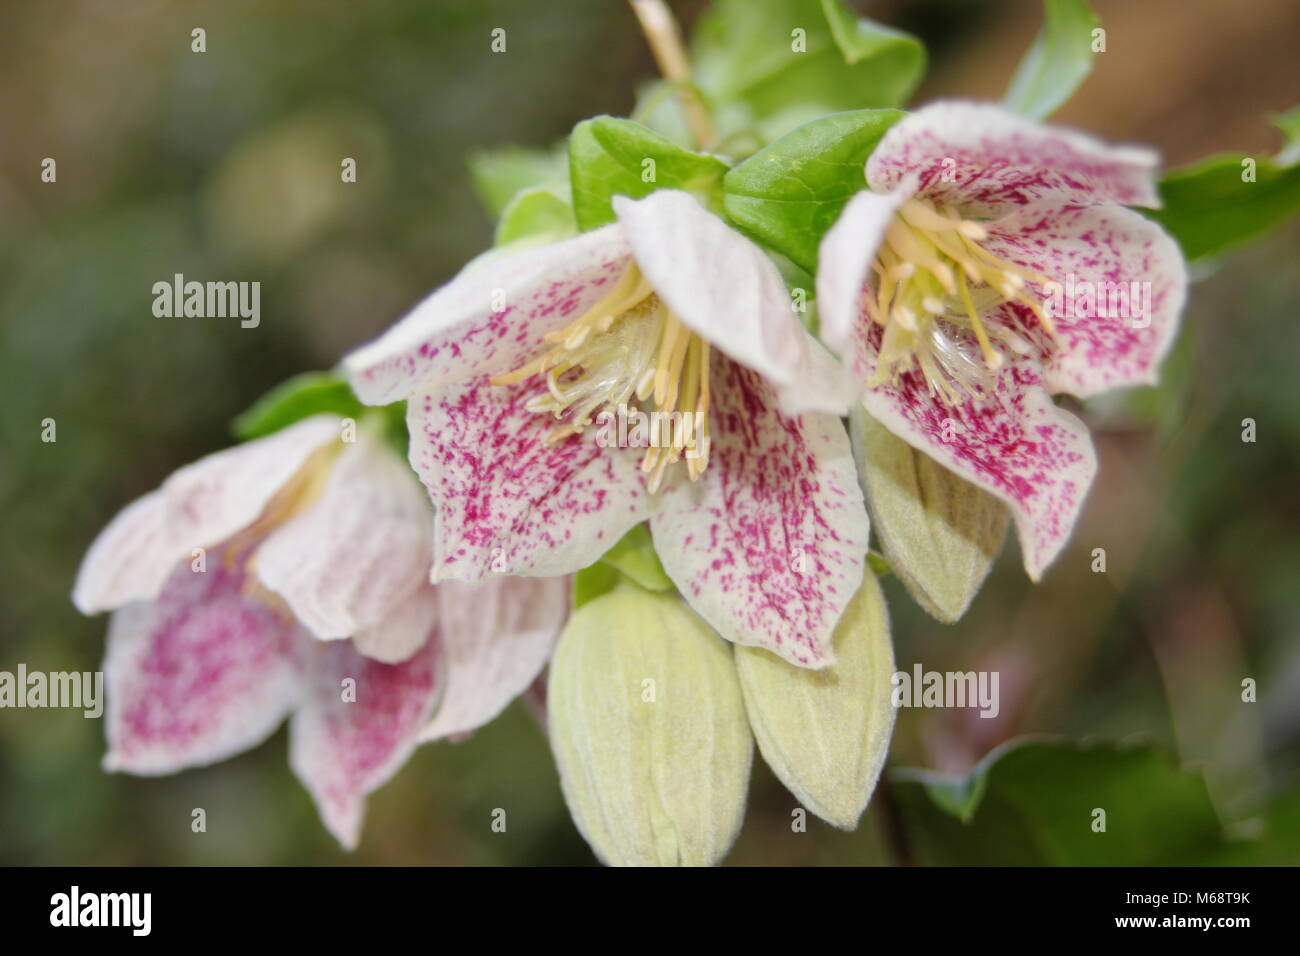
(932, 275)
(628, 350)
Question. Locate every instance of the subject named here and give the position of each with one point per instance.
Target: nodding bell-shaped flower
(990, 265)
(289, 576)
(650, 369)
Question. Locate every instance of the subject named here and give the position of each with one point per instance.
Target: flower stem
(660, 29)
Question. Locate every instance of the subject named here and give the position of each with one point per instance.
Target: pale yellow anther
(627, 350)
(930, 268)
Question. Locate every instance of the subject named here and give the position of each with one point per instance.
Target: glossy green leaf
(611, 157)
(499, 174)
(302, 396)
(788, 194)
(538, 213)
(1214, 205)
(768, 66)
(634, 555)
(1036, 802)
(1057, 62)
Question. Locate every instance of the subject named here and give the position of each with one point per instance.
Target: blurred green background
(225, 165)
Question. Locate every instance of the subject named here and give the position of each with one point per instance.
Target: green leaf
(1289, 124)
(499, 174)
(616, 157)
(1059, 60)
(772, 65)
(635, 556)
(788, 194)
(1033, 802)
(302, 396)
(538, 213)
(593, 581)
(1209, 208)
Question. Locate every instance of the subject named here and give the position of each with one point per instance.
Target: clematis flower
(755, 511)
(991, 265)
(289, 576)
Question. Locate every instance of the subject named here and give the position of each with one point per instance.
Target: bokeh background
(225, 165)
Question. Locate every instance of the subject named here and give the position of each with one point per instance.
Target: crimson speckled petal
(988, 161)
(768, 545)
(490, 318)
(348, 739)
(507, 500)
(1096, 254)
(1015, 443)
(202, 673)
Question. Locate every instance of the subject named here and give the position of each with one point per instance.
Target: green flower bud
(939, 532)
(825, 733)
(649, 731)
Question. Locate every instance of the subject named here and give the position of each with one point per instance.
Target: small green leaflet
(788, 194)
(311, 393)
(1057, 62)
(499, 174)
(1212, 206)
(611, 157)
(1035, 801)
(538, 213)
(768, 66)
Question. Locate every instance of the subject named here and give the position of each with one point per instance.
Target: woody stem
(660, 29)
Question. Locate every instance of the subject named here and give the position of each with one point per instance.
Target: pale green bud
(649, 731)
(939, 532)
(825, 733)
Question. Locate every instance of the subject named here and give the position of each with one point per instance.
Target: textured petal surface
(403, 631)
(490, 318)
(768, 545)
(129, 560)
(1122, 284)
(348, 559)
(199, 506)
(508, 501)
(497, 637)
(844, 265)
(985, 161)
(202, 673)
(1014, 443)
(723, 287)
(356, 726)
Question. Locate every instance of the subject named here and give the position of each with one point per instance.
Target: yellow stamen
(627, 349)
(929, 268)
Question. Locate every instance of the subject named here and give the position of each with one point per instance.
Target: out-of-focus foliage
(1059, 60)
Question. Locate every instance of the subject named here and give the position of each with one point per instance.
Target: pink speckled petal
(129, 560)
(768, 545)
(1122, 284)
(726, 289)
(1016, 443)
(497, 637)
(199, 506)
(489, 319)
(202, 673)
(508, 501)
(403, 630)
(359, 550)
(844, 266)
(985, 161)
(357, 725)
